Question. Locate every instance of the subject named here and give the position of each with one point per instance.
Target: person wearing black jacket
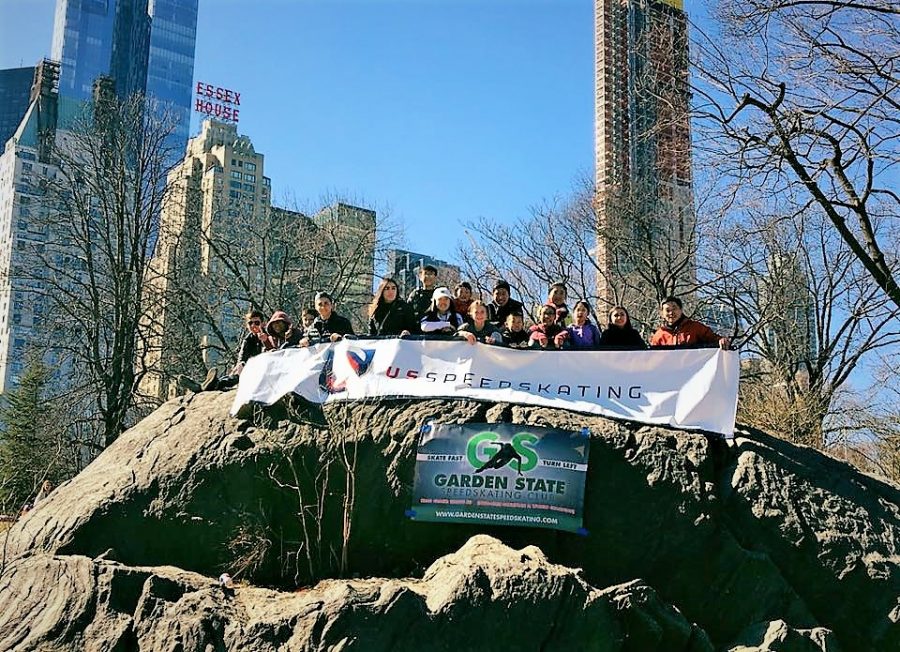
(389, 314)
(328, 326)
(254, 342)
(420, 298)
(502, 305)
(620, 334)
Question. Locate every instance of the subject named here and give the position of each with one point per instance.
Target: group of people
(431, 310)
(437, 312)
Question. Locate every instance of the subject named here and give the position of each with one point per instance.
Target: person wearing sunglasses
(254, 342)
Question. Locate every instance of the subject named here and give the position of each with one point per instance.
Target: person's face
(548, 316)
(324, 307)
(443, 304)
(279, 327)
(390, 293)
(480, 315)
(618, 318)
(581, 313)
(308, 319)
(501, 296)
(427, 277)
(254, 324)
(463, 293)
(515, 323)
(558, 296)
(670, 312)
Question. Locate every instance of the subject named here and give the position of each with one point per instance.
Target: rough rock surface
(735, 535)
(485, 596)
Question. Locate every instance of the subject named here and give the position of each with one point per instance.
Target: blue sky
(439, 110)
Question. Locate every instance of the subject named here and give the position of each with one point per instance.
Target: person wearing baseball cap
(441, 318)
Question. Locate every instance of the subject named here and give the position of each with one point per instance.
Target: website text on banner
(693, 389)
(501, 474)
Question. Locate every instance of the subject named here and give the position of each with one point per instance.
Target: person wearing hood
(389, 314)
(328, 326)
(620, 334)
(282, 331)
(679, 331)
(441, 318)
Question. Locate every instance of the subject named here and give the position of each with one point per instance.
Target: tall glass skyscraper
(170, 71)
(15, 95)
(145, 45)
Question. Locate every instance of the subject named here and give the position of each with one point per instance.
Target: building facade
(27, 234)
(643, 177)
(223, 248)
(403, 266)
(15, 95)
(146, 46)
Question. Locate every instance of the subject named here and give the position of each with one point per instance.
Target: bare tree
(802, 98)
(557, 241)
(208, 271)
(97, 221)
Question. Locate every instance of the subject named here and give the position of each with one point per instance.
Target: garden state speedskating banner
(692, 389)
(501, 474)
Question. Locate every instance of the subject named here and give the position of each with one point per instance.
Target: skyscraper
(643, 150)
(144, 45)
(15, 94)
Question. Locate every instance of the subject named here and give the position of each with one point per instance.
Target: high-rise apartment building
(223, 248)
(146, 46)
(27, 226)
(643, 149)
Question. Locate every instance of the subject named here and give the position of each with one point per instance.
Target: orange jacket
(686, 332)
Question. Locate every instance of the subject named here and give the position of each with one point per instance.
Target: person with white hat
(441, 317)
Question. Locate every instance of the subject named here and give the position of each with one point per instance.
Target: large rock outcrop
(762, 544)
(485, 596)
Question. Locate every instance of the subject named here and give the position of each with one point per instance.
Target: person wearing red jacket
(679, 331)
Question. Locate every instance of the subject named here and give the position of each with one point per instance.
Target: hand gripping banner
(692, 389)
(501, 474)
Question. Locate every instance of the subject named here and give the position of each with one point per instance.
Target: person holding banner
(442, 317)
(328, 326)
(549, 334)
(583, 334)
(514, 335)
(282, 331)
(389, 314)
(479, 329)
(679, 331)
(619, 334)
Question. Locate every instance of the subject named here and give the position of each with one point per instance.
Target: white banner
(694, 389)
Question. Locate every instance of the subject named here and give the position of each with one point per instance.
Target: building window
(235, 174)
(234, 184)
(250, 177)
(250, 187)
(250, 166)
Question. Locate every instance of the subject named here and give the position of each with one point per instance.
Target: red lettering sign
(220, 104)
